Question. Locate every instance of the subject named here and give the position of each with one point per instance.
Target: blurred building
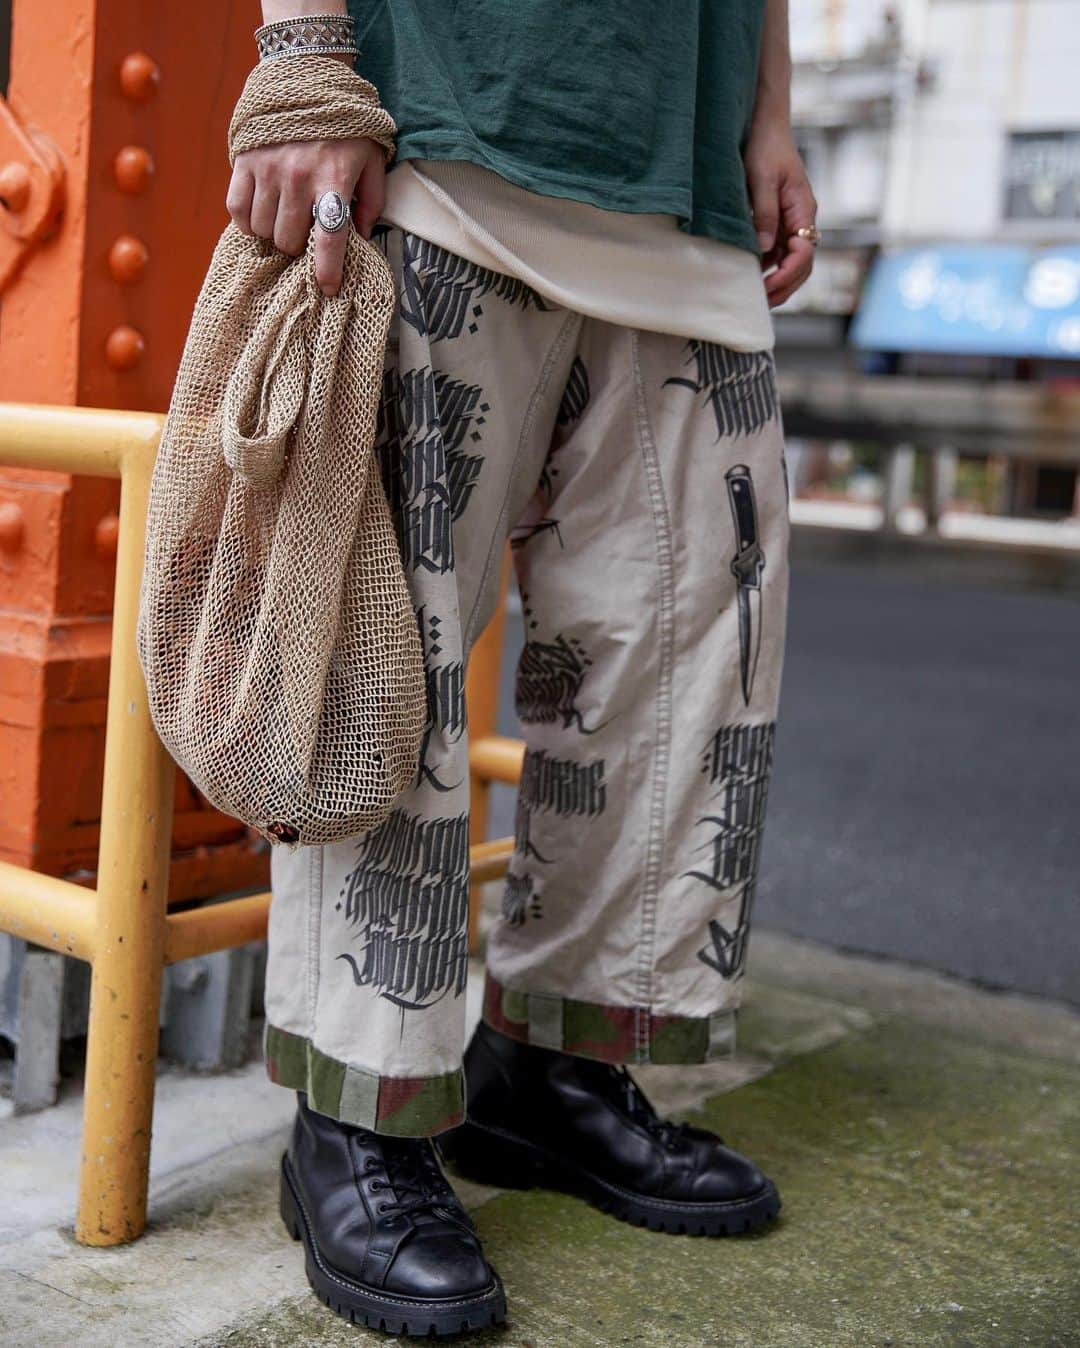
(943, 141)
(852, 74)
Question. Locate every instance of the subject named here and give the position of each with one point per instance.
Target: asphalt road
(926, 796)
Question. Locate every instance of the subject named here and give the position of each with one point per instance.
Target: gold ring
(811, 233)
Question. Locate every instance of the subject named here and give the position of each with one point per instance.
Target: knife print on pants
(746, 566)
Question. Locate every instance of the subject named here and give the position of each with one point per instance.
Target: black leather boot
(387, 1243)
(551, 1120)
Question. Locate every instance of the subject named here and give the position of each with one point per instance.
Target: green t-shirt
(632, 105)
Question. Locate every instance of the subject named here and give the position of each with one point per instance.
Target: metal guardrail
(1017, 421)
(122, 927)
(944, 418)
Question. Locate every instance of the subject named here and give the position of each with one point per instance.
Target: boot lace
(640, 1109)
(411, 1173)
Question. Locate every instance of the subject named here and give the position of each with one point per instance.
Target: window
(1042, 176)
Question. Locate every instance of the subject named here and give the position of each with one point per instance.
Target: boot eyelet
(370, 1163)
(375, 1186)
(381, 1207)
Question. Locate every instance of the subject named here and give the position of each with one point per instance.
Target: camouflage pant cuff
(397, 1106)
(615, 1034)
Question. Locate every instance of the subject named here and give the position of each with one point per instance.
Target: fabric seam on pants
(498, 538)
(314, 933)
(665, 561)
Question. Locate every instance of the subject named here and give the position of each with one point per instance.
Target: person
(591, 211)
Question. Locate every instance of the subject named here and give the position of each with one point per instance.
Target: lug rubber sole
(491, 1155)
(416, 1316)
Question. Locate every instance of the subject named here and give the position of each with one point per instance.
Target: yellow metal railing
(123, 927)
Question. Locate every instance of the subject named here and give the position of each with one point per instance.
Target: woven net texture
(276, 634)
(307, 98)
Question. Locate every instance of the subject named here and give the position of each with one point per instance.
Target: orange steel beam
(31, 192)
(116, 111)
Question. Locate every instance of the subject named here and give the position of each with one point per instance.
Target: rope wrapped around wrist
(307, 98)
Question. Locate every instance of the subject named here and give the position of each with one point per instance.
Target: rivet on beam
(106, 533)
(133, 168)
(124, 347)
(128, 258)
(11, 526)
(139, 76)
(15, 186)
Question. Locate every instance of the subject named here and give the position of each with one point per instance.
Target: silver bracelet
(309, 35)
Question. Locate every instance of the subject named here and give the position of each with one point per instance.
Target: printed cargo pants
(640, 479)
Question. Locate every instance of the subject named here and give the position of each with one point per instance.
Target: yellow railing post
(133, 873)
(482, 700)
(123, 927)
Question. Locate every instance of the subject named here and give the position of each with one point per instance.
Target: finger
(264, 204)
(798, 205)
(793, 271)
(238, 198)
(782, 296)
(330, 252)
(765, 203)
(292, 222)
(783, 282)
(370, 194)
(790, 270)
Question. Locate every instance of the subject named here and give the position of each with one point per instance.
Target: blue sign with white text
(990, 299)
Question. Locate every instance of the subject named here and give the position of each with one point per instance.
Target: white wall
(844, 81)
(823, 30)
(1000, 66)
(847, 169)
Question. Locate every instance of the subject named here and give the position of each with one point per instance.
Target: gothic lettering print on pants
(639, 480)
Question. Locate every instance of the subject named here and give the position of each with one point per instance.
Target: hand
(782, 202)
(274, 188)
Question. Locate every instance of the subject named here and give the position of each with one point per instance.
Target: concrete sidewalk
(923, 1135)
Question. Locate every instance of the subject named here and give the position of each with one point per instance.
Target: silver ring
(331, 212)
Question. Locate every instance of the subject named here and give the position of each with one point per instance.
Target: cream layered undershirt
(638, 270)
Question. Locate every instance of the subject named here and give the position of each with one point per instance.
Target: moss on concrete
(929, 1202)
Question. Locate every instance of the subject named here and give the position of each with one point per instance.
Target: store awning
(991, 300)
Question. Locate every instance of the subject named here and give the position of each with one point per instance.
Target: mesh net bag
(276, 634)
